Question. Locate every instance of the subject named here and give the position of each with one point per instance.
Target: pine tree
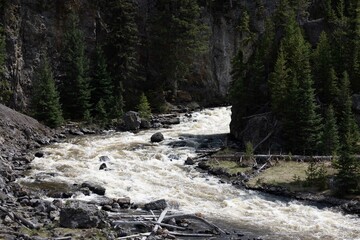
(348, 166)
(278, 83)
(301, 120)
(330, 136)
(101, 87)
(144, 107)
(322, 63)
(177, 37)
(75, 91)
(121, 49)
(45, 101)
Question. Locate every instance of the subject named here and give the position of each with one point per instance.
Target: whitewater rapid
(145, 172)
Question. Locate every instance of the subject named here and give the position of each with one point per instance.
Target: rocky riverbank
(31, 213)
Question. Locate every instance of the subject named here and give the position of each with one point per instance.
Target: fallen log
(190, 234)
(160, 219)
(197, 218)
(135, 236)
(302, 158)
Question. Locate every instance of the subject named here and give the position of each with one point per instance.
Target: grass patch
(92, 233)
(232, 168)
(290, 175)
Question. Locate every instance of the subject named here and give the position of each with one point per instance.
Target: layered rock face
(36, 26)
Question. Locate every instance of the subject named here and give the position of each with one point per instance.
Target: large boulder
(77, 214)
(95, 188)
(132, 121)
(157, 137)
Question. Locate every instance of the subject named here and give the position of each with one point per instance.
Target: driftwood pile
(165, 225)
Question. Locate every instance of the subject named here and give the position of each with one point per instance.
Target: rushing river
(146, 172)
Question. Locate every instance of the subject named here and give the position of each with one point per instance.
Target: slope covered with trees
(308, 87)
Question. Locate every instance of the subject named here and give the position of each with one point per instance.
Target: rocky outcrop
(81, 215)
(132, 121)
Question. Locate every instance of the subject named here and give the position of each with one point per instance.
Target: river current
(146, 172)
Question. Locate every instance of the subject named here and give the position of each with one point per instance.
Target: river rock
(157, 137)
(132, 120)
(102, 166)
(145, 124)
(39, 154)
(189, 161)
(104, 159)
(95, 188)
(156, 205)
(77, 214)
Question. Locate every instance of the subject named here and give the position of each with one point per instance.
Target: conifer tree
(75, 91)
(45, 102)
(330, 136)
(348, 166)
(302, 122)
(322, 63)
(121, 48)
(101, 87)
(278, 83)
(144, 107)
(177, 37)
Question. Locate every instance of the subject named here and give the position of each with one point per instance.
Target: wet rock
(107, 208)
(81, 215)
(102, 166)
(104, 159)
(87, 131)
(203, 166)
(189, 161)
(95, 188)
(157, 137)
(124, 202)
(156, 205)
(352, 207)
(145, 124)
(76, 132)
(132, 121)
(39, 154)
(86, 191)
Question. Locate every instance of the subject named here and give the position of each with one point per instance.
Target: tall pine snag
(177, 36)
(45, 102)
(75, 91)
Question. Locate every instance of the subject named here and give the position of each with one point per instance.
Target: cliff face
(35, 26)
(32, 27)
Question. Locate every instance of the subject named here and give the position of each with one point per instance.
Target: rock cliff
(34, 26)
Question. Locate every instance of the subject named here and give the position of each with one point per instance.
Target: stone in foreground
(77, 214)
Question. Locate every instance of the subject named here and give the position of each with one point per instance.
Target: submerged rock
(157, 137)
(77, 214)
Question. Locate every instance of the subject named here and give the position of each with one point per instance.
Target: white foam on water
(146, 172)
